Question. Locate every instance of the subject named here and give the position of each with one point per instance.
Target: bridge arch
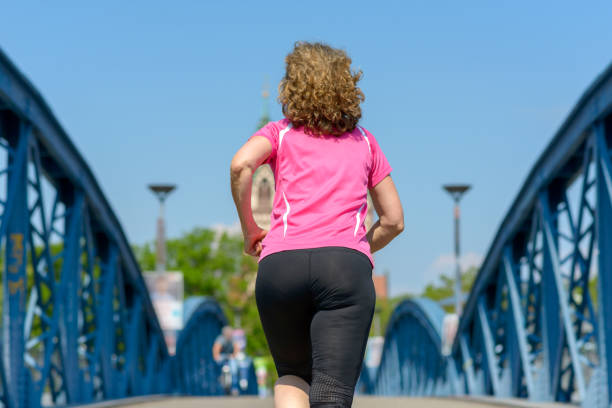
(195, 371)
(411, 361)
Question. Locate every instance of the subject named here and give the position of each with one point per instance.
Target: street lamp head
(456, 190)
(162, 190)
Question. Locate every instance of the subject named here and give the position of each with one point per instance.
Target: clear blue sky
(468, 91)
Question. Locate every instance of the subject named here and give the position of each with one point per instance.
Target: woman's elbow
(237, 166)
(399, 227)
(394, 225)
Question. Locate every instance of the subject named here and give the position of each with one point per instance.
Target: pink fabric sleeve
(380, 166)
(270, 132)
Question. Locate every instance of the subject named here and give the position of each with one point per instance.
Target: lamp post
(457, 191)
(161, 191)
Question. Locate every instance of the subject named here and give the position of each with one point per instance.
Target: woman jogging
(314, 287)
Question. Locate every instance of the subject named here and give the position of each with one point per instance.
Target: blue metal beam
(69, 295)
(152, 362)
(14, 231)
(604, 236)
(518, 320)
(106, 340)
(487, 339)
(556, 287)
(39, 304)
(468, 365)
(133, 346)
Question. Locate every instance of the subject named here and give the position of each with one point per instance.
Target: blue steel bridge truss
(77, 322)
(538, 320)
(78, 325)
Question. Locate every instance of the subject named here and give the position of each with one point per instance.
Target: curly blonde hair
(319, 90)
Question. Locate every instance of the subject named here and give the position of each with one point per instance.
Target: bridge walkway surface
(359, 402)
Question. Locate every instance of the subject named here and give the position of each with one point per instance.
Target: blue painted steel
(488, 348)
(14, 231)
(78, 324)
(603, 134)
(538, 320)
(411, 362)
(516, 323)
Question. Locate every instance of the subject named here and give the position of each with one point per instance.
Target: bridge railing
(77, 322)
(538, 320)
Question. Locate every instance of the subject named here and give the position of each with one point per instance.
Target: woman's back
(321, 187)
(314, 289)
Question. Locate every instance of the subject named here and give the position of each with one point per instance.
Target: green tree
(444, 288)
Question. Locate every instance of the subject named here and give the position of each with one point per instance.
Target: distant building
(262, 190)
(380, 286)
(262, 196)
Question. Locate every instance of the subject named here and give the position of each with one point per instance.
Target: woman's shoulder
(273, 130)
(278, 125)
(365, 133)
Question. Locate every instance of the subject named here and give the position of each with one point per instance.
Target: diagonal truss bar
(550, 248)
(519, 321)
(120, 321)
(604, 237)
(487, 340)
(133, 345)
(468, 365)
(152, 362)
(69, 299)
(89, 303)
(49, 284)
(106, 337)
(14, 231)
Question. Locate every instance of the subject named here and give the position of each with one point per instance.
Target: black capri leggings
(316, 307)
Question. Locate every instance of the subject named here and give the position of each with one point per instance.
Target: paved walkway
(359, 402)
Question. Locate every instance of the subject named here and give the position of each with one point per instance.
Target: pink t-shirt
(321, 188)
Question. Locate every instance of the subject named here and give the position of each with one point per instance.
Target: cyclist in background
(224, 353)
(224, 346)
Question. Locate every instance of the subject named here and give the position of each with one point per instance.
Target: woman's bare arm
(243, 165)
(391, 216)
